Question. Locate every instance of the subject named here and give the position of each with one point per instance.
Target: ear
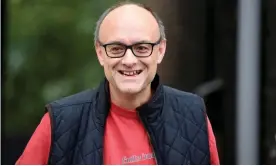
(161, 51)
(100, 53)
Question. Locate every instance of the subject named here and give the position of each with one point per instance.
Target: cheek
(155, 57)
(151, 61)
(110, 64)
(109, 71)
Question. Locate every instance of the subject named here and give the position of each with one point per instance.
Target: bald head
(127, 24)
(129, 17)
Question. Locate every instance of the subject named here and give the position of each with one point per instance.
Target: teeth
(130, 73)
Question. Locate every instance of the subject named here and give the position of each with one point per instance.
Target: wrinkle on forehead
(128, 24)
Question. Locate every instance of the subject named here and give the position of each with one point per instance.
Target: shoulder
(71, 106)
(79, 98)
(182, 96)
(68, 112)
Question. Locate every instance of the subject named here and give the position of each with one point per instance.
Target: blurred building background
(48, 53)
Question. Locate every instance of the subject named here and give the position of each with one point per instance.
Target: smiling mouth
(130, 73)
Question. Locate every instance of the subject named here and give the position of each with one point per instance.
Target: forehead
(129, 24)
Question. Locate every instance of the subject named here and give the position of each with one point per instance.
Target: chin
(130, 90)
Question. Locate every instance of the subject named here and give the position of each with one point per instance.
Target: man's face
(128, 25)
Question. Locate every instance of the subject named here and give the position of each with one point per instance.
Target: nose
(129, 59)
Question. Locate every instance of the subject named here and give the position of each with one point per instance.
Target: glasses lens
(142, 49)
(115, 50)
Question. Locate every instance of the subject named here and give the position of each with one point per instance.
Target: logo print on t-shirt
(137, 158)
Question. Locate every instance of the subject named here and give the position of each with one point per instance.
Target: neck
(130, 101)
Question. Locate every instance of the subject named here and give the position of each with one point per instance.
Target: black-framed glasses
(118, 50)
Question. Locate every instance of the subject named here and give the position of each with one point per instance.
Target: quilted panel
(70, 124)
(184, 130)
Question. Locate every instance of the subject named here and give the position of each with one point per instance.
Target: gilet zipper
(150, 140)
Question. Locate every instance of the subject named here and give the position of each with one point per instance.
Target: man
(130, 118)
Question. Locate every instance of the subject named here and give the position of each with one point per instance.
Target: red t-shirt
(125, 142)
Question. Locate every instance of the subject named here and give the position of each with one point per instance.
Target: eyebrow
(137, 42)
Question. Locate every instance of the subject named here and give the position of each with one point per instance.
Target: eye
(142, 48)
(115, 49)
